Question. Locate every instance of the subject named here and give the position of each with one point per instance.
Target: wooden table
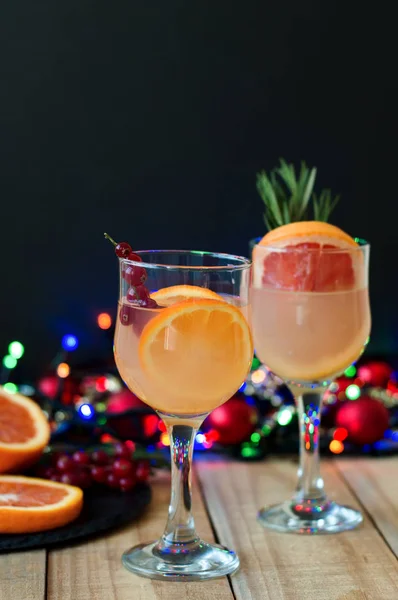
(357, 565)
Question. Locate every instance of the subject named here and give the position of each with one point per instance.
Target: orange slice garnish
(28, 504)
(178, 293)
(317, 231)
(24, 431)
(308, 266)
(199, 350)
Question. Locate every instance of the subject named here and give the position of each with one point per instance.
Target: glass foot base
(311, 519)
(204, 561)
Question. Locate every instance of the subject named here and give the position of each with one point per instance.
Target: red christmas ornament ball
(392, 385)
(375, 373)
(342, 384)
(234, 421)
(365, 419)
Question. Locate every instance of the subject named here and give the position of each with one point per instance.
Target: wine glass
(311, 321)
(184, 346)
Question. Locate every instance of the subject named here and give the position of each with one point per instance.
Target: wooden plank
(93, 570)
(375, 482)
(355, 565)
(23, 575)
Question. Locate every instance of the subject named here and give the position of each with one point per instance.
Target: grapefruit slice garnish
(24, 431)
(320, 258)
(28, 504)
(178, 293)
(199, 350)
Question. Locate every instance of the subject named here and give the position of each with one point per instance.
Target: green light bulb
(9, 362)
(353, 392)
(16, 350)
(351, 371)
(10, 387)
(284, 417)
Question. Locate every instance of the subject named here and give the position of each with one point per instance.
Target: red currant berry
(143, 471)
(65, 463)
(99, 457)
(133, 256)
(122, 451)
(138, 295)
(127, 483)
(132, 296)
(56, 477)
(70, 478)
(123, 249)
(125, 265)
(134, 275)
(143, 297)
(98, 474)
(126, 315)
(81, 458)
(112, 481)
(122, 467)
(150, 303)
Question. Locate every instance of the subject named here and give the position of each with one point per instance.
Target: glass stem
(180, 527)
(310, 488)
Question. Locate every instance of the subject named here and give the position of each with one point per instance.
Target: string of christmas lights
(360, 411)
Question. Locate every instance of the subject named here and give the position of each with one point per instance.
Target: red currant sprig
(135, 275)
(117, 471)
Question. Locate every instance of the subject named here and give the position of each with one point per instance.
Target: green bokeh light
(266, 429)
(16, 350)
(353, 392)
(255, 437)
(10, 387)
(249, 452)
(9, 362)
(351, 371)
(284, 417)
(255, 364)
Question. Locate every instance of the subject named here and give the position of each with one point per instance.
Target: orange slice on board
(200, 349)
(178, 293)
(308, 266)
(24, 431)
(28, 504)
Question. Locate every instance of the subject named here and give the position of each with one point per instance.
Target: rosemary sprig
(287, 196)
(324, 204)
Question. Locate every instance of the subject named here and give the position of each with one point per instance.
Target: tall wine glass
(311, 320)
(184, 352)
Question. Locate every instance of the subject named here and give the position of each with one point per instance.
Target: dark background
(150, 119)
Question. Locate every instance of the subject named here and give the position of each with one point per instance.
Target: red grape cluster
(135, 276)
(83, 469)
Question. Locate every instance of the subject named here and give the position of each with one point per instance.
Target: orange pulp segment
(199, 349)
(24, 431)
(178, 293)
(315, 260)
(29, 504)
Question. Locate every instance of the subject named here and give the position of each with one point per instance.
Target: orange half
(29, 504)
(24, 431)
(199, 350)
(178, 293)
(308, 256)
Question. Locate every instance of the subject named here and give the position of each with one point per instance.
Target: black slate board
(104, 509)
